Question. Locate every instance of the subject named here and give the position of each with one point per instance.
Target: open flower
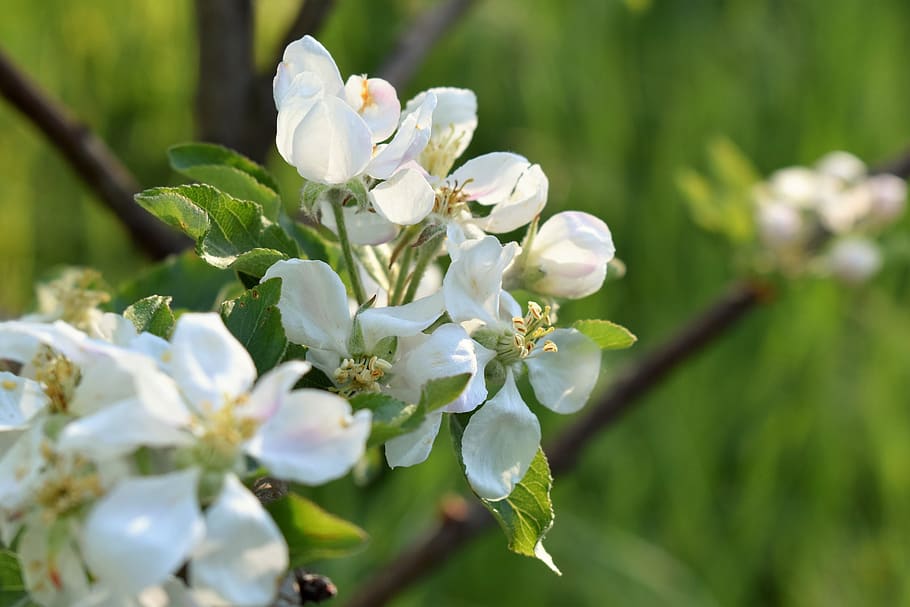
(502, 437)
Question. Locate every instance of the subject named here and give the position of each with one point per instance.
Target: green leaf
(440, 392)
(228, 171)
(526, 515)
(10, 572)
(392, 417)
(190, 282)
(312, 533)
(607, 335)
(254, 319)
(225, 228)
(152, 314)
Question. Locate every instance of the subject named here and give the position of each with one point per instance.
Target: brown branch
(92, 160)
(261, 129)
(226, 73)
(459, 525)
(900, 166)
(412, 48)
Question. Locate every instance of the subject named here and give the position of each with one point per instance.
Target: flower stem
(348, 252)
(427, 254)
(403, 266)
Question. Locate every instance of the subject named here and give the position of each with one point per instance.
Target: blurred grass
(773, 470)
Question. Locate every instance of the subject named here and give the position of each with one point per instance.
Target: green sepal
(312, 533)
(153, 315)
(607, 335)
(254, 319)
(526, 514)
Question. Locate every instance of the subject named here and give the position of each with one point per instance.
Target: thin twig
(900, 166)
(412, 48)
(460, 526)
(260, 131)
(88, 155)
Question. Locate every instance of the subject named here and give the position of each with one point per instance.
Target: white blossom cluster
(410, 326)
(125, 458)
(825, 217)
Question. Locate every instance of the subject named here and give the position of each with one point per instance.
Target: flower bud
(568, 256)
(843, 166)
(779, 225)
(889, 197)
(854, 260)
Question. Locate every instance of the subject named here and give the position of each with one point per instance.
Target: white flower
(454, 122)
(568, 256)
(331, 130)
(367, 351)
(779, 225)
(499, 443)
(853, 260)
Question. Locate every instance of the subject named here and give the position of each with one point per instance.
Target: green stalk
(348, 251)
(427, 254)
(403, 263)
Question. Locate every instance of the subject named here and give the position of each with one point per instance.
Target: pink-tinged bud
(568, 256)
(889, 197)
(779, 225)
(854, 260)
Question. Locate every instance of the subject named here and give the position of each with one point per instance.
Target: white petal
(364, 227)
(326, 361)
(499, 443)
(377, 103)
(20, 400)
(208, 363)
(313, 304)
(270, 390)
(21, 340)
(306, 55)
(120, 429)
(525, 202)
(571, 251)
(408, 143)
(51, 568)
(473, 282)
(842, 165)
(446, 352)
(454, 122)
(312, 439)
(20, 468)
(243, 556)
(405, 199)
(331, 144)
(490, 179)
(399, 321)
(143, 530)
(414, 447)
(302, 94)
(563, 380)
(854, 260)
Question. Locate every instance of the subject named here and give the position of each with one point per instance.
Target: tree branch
(414, 45)
(461, 524)
(226, 74)
(92, 160)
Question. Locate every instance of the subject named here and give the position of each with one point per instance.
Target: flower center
(222, 432)
(73, 298)
(439, 155)
(528, 330)
(451, 199)
(57, 375)
(360, 375)
(68, 484)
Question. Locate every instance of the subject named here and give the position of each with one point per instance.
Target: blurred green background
(773, 469)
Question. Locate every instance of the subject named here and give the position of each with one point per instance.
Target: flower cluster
(128, 443)
(408, 325)
(823, 218)
(122, 464)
